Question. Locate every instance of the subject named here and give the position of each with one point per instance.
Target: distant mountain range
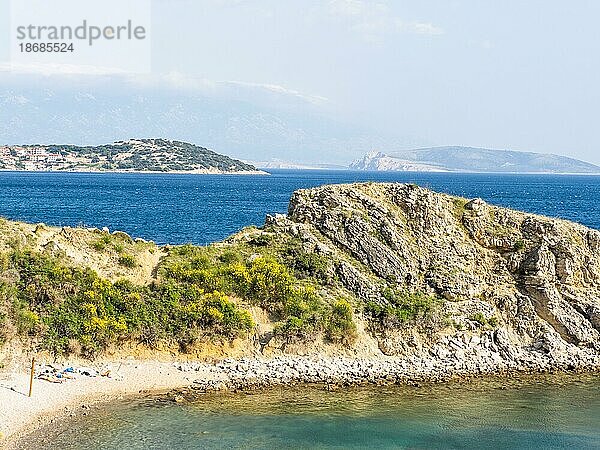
(470, 159)
(278, 164)
(135, 155)
(251, 123)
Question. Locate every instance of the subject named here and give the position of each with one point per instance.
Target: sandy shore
(20, 413)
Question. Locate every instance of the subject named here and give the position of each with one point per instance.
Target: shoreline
(21, 417)
(171, 172)
(264, 171)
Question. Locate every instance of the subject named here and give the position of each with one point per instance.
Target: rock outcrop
(516, 285)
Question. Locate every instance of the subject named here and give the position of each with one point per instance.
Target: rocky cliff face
(377, 161)
(517, 288)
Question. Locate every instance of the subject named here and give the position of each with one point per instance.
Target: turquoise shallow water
(550, 412)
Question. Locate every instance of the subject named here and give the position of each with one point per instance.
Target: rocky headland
(470, 159)
(362, 283)
(513, 285)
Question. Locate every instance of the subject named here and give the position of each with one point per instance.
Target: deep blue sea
(200, 209)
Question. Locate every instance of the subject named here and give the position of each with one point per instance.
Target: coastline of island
(134, 155)
(153, 172)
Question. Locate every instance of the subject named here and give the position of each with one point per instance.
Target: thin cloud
(375, 20)
(279, 90)
(352, 8)
(179, 80)
(57, 69)
(174, 80)
(422, 28)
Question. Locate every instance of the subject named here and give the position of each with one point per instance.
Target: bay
(550, 412)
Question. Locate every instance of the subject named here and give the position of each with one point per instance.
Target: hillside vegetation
(136, 155)
(194, 295)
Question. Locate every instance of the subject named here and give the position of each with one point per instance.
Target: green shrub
(261, 240)
(127, 260)
(340, 325)
(99, 246)
(479, 318)
(4, 261)
(262, 280)
(64, 305)
(307, 265)
(401, 306)
(101, 243)
(71, 309)
(26, 321)
(230, 257)
(292, 326)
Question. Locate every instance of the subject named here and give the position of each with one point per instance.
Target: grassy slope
(82, 291)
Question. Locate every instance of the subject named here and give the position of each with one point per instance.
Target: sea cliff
(514, 283)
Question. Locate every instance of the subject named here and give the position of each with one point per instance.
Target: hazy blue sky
(509, 74)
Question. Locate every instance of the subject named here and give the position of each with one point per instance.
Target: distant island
(471, 159)
(135, 155)
(290, 165)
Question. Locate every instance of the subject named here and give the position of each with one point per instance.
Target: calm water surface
(206, 208)
(551, 412)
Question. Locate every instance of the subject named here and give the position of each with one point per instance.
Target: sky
(506, 75)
